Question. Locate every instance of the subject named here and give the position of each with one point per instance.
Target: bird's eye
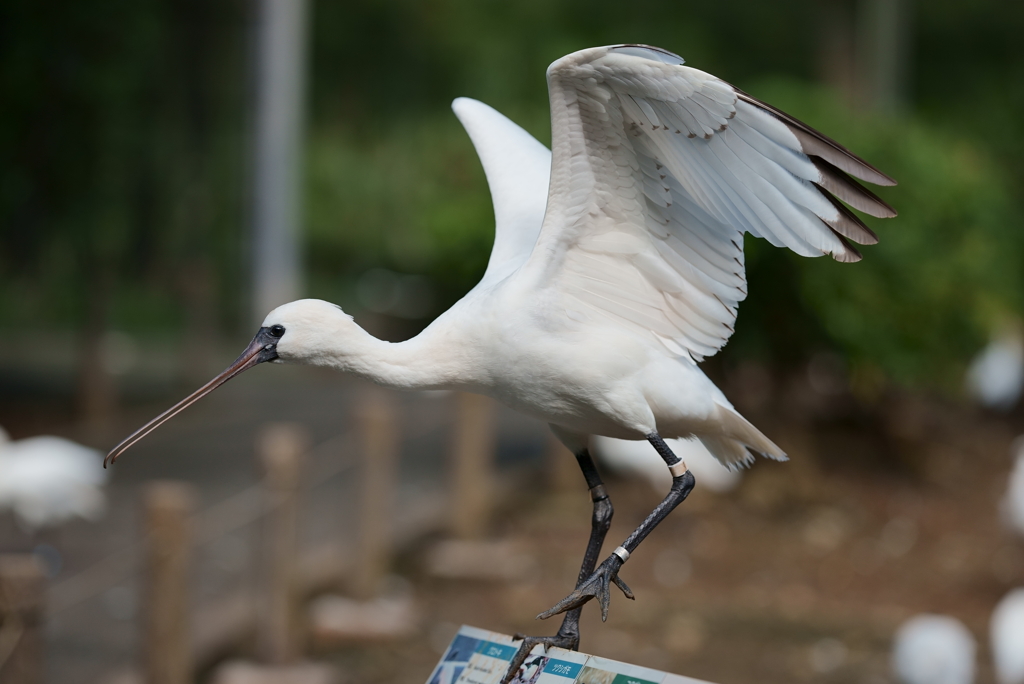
(276, 330)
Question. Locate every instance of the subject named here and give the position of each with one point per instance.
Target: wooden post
(562, 469)
(280, 448)
(473, 465)
(380, 445)
(22, 588)
(168, 508)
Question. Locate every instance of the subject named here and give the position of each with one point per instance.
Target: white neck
(320, 334)
(424, 362)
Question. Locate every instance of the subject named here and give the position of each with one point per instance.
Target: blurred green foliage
(945, 271)
(123, 159)
(415, 201)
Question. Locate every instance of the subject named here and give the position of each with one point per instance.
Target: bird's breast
(586, 383)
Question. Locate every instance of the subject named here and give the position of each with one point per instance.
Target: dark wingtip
(851, 256)
(836, 181)
(823, 146)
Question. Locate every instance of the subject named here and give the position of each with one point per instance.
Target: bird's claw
(597, 585)
(569, 642)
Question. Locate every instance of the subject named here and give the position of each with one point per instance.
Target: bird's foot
(597, 585)
(568, 639)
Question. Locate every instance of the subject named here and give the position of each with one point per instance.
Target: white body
(1007, 634)
(995, 376)
(49, 480)
(582, 379)
(934, 649)
(618, 257)
(1013, 501)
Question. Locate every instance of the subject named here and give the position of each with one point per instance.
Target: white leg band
(678, 469)
(621, 553)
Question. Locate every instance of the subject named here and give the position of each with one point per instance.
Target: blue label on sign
(493, 650)
(562, 668)
(626, 679)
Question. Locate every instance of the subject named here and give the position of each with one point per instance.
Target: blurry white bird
(48, 480)
(1006, 631)
(934, 649)
(617, 266)
(1012, 505)
(636, 458)
(995, 377)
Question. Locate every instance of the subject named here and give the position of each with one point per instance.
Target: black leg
(568, 635)
(599, 583)
(601, 519)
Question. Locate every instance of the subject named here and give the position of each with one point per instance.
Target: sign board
(477, 656)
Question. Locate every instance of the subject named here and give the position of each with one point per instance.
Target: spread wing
(658, 171)
(517, 167)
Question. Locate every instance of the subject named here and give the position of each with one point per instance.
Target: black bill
(262, 348)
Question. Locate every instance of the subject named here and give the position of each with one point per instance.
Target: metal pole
(884, 52)
(277, 176)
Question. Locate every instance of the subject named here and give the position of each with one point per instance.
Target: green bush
(945, 271)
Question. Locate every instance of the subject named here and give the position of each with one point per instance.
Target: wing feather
(658, 170)
(517, 169)
(813, 143)
(857, 196)
(849, 225)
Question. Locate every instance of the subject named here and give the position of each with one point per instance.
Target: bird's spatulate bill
(258, 351)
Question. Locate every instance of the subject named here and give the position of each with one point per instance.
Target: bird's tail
(737, 441)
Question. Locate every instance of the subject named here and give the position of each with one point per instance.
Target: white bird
(1012, 505)
(636, 458)
(1006, 631)
(617, 265)
(934, 649)
(46, 481)
(995, 377)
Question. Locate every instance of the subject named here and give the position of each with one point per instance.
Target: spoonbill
(934, 649)
(1012, 504)
(1006, 631)
(48, 480)
(995, 376)
(617, 266)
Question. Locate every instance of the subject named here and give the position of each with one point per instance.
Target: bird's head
(300, 332)
(306, 331)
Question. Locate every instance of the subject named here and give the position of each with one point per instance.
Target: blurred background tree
(121, 135)
(123, 163)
